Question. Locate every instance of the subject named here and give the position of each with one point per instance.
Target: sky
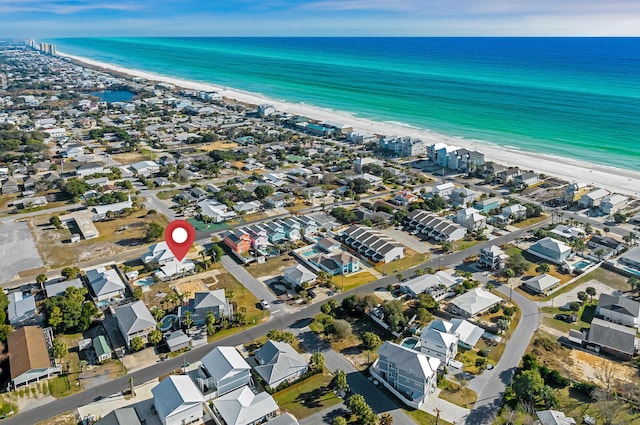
(82, 18)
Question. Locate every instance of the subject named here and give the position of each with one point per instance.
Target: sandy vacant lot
(17, 250)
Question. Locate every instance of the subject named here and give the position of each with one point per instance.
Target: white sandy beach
(612, 179)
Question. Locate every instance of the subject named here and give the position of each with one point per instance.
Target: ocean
(572, 97)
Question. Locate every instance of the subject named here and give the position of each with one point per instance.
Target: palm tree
(508, 274)
(543, 268)
(400, 277)
(591, 291)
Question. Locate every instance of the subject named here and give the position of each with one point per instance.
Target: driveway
(153, 203)
(407, 240)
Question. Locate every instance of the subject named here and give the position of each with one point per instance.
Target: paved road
(22, 216)
(358, 383)
(490, 396)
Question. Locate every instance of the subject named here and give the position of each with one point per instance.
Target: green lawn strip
(308, 397)
(584, 315)
(456, 394)
(354, 280)
(168, 194)
(272, 267)
(402, 264)
(424, 418)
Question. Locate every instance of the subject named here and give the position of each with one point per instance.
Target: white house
(278, 362)
(243, 407)
(619, 309)
(298, 274)
(542, 284)
(592, 199)
(214, 209)
(21, 308)
(438, 285)
(223, 369)
(550, 249)
(372, 244)
(474, 302)
(105, 283)
(471, 218)
(177, 401)
(493, 257)
(145, 168)
(613, 203)
(441, 345)
(408, 374)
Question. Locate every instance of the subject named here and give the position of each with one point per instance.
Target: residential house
(204, 302)
(372, 244)
(566, 233)
(238, 241)
(574, 192)
(471, 218)
(277, 200)
(608, 244)
(551, 250)
(554, 417)
(442, 155)
(247, 207)
(72, 151)
(631, 258)
(258, 234)
(134, 320)
(339, 263)
(21, 309)
(177, 340)
(159, 253)
(57, 287)
(434, 226)
(145, 168)
(487, 205)
(439, 344)
(473, 303)
(10, 187)
(217, 211)
(243, 407)
(223, 370)
(361, 162)
(89, 168)
(29, 359)
(465, 160)
(611, 338)
(443, 190)
(408, 374)
(404, 198)
(542, 284)
(292, 228)
(492, 257)
(120, 416)
(527, 179)
(468, 334)
(613, 203)
(461, 197)
(105, 283)
(101, 348)
(512, 212)
(102, 211)
(284, 419)
(298, 275)
(177, 401)
(404, 146)
(619, 309)
(278, 362)
(592, 199)
(508, 175)
(439, 285)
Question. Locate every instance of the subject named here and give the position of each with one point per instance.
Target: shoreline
(613, 179)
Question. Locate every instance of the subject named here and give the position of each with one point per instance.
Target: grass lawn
(411, 259)
(423, 418)
(530, 221)
(512, 250)
(307, 397)
(461, 245)
(168, 194)
(585, 315)
(354, 280)
(272, 267)
(458, 395)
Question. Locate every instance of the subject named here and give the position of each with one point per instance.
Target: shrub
(586, 388)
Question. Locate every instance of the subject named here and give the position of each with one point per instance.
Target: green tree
(634, 283)
(582, 296)
(55, 221)
(60, 349)
(74, 187)
(154, 232)
(40, 280)
(55, 318)
(154, 337)
(340, 329)
(508, 274)
(339, 420)
(386, 419)
(317, 362)
(394, 316)
(528, 385)
(188, 320)
(216, 252)
(211, 323)
(543, 268)
(339, 382)
(357, 404)
(400, 277)
(263, 191)
(157, 313)
(136, 344)
(137, 293)
(371, 340)
(70, 272)
(518, 264)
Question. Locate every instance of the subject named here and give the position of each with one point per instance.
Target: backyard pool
(410, 342)
(167, 322)
(582, 264)
(145, 281)
(632, 271)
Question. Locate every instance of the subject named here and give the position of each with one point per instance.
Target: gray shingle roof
(134, 317)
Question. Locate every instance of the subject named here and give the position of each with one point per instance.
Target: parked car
(569, 318)
(264, 304)
(311, 293)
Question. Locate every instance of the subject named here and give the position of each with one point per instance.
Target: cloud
(62, 7)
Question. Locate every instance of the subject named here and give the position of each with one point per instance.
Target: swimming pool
(168, 322)
(582, 264)
(145, 281)
(632, 271)
(410, 342)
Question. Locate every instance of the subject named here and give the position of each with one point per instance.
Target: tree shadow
(311, 399)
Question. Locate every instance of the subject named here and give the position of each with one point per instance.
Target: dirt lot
(190, 286)
(116, 236)
(129, 157)
(220, 145)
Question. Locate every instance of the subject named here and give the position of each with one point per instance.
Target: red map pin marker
(179, 236)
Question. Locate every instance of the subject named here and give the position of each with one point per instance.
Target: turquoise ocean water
(572, 97)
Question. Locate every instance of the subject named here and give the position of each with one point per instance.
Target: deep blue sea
(572, 97)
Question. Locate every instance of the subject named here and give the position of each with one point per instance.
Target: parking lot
(17, 250)
(407, 240)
